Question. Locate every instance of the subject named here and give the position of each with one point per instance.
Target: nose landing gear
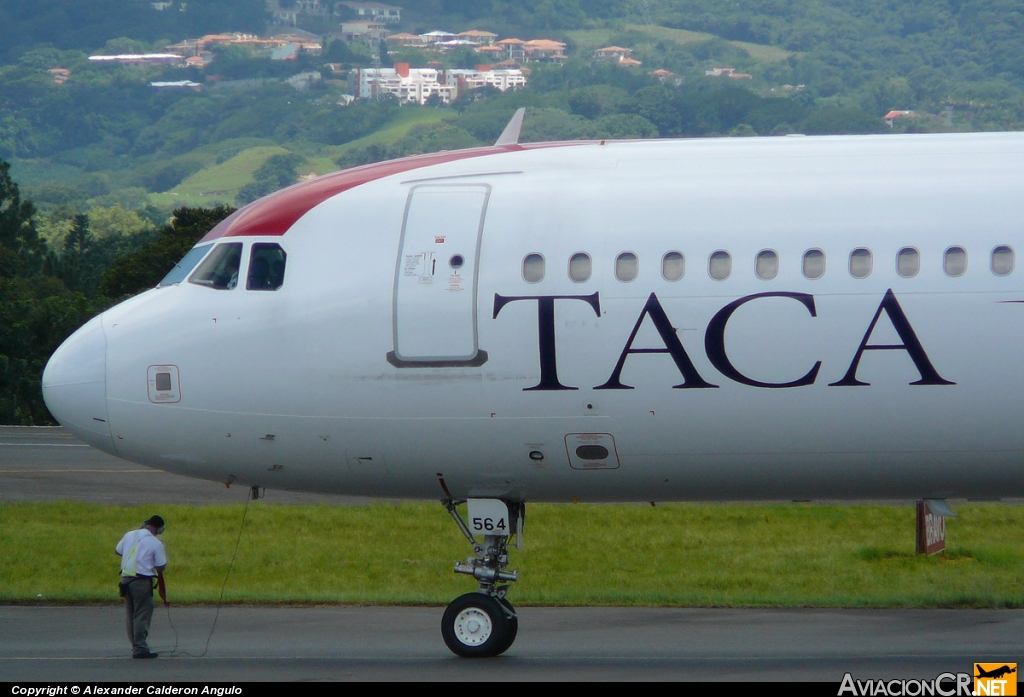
(483, 623)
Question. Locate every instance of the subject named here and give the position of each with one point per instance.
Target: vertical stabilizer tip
(510, 136)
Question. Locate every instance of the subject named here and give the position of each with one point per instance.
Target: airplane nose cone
(75, 385)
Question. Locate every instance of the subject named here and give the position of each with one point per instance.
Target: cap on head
(156, 522)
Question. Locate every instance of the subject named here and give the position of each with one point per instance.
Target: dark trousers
(138, 610)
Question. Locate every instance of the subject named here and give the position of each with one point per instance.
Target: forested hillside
(86, 26)
(47, 291)
(107, 137)
(105, 156)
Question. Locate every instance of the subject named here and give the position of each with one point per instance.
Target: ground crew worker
(142, 560)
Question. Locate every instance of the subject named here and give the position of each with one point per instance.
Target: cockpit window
(266, 267)
(183, 267)
(220, 269)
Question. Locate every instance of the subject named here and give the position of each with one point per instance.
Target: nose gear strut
(483, 623)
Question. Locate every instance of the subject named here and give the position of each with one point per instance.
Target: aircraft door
(436, 277)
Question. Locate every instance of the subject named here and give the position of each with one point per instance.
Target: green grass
(399, 125)
(759, 52)
(690, 555)
(218, 183)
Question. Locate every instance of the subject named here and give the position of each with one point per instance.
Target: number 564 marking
(488, 517)
(490, 525)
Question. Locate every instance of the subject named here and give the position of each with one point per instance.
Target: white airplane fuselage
(416, 349)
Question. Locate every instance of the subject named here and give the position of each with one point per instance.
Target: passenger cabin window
(184, 267)
(766, 266)
(580, 267)
(860, 263)
(220, 269)
(673, 266)
(627, 266)
(720, 265)
(954, 261)
(1002, 261)
(266, 267)
(533, 268)
(908, 262)
(814, 263)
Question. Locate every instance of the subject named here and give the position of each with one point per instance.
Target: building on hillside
(288, 52)
(485, 75)
(60, 75)
(453, 44)
(495, 52)
(432, 37)
(728, 72)
(313, 7)
(288, 17)
(375, 11)
(406, 39)
(615, 53)
(186, 48)
(480, 38)
(141, 59)
(201, 47)
(297, 36)
(178, 84)
(414, 85)
(544, 50)
(283, 15)
(212, 39)
(352, 31)
(513, 65)
(417, 85)
(666, 76)
(514, 49)
(891, 117)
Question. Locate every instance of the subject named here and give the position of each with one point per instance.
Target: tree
(658, 105)
(143, 269)
(276, 173)
(585, 103)
(841, 120)
(76, 244)
(37, 311)
(462, 58)
(21, 250)
(116, 220)
(38, 314)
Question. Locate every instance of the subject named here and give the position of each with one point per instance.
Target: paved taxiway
(50, 464)
(331, 643)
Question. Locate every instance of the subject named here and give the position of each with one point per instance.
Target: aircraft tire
(475, 625)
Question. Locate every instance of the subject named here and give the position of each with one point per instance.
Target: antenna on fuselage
(510, 136)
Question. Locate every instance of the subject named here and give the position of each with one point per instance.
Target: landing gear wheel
(475, 626)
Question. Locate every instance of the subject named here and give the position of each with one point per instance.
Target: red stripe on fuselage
(276, 213)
